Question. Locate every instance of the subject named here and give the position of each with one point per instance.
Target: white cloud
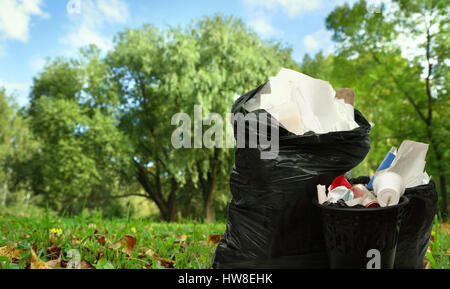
(115, 11)
(87, 26)
(18, 90)
(262, 26)
(319, 40)
(15, 16)
(292, 8)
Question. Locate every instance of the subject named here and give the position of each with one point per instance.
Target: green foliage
(99, 125)
(161, 73)
(83, 154)
(17, 145)
(406, 98)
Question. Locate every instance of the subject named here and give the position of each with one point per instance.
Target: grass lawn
(136, 244)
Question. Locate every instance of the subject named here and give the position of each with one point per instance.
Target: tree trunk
(442, 183)
(208, 205)
(154, 191)
(209, 187)
(428, 120)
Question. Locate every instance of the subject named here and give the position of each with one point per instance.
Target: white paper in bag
(301, 104)
(410, 163)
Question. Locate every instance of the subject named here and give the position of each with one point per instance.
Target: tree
(82, 150)
(163, 73)
(6, 136)
(131, 94)
(17, 146)
(233, 60)
(411, 94)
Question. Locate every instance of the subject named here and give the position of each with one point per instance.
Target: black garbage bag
(272, 222)
(416, 227)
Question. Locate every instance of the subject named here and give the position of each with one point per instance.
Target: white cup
(388, 187)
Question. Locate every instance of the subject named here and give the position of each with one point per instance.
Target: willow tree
(161, 73)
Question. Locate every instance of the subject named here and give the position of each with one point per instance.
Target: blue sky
(33, 30)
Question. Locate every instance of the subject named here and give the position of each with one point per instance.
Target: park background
(87, 97)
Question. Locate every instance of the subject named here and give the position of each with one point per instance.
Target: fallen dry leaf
(169, 264)
(16, 254)
(182, 244)
(445, 227)
(54, 252)
(6, 251)
(54, 263)
(215, 239)
(101, 240)
(130, 242)
(181, 237)
(11, 253)
(86, 265)
(151, 253)
(37, 263)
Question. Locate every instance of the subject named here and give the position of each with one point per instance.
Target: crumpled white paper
(340, 193)
(409, 163)
(301, 103)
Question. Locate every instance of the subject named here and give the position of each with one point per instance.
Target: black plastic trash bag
(272, 222)
(417, 224)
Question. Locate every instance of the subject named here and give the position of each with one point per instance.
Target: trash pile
(272, 221)
(397, 172)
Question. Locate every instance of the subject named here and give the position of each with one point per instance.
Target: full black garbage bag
(416, 227)
(272, 222)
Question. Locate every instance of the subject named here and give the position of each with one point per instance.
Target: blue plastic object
(386, 163)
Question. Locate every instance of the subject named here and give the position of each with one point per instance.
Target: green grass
(186, 244)
(438, 253)
(180, 245)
